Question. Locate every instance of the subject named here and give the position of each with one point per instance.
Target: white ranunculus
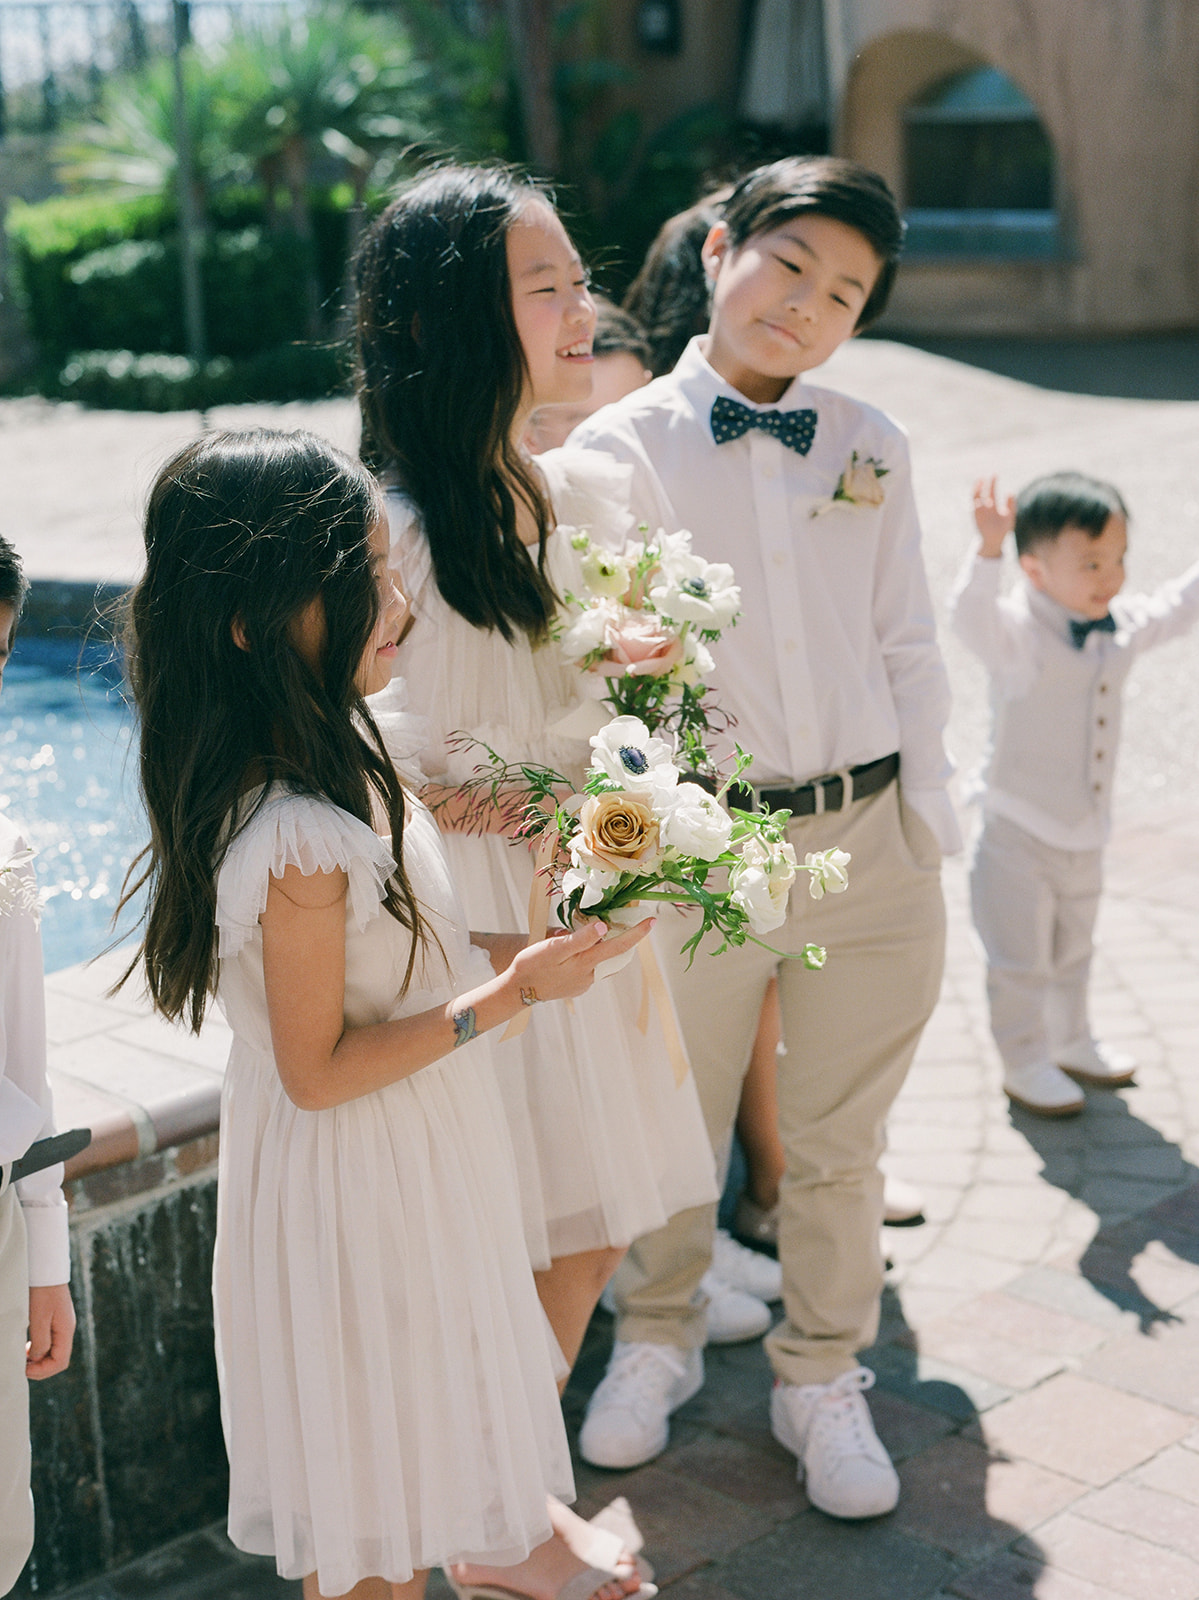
(606, 574)
(694, 825)
(690, 589)
(696, 666)
(630, 755)
(761, 884)
(594, 881)
(828, 875)
(588, 631)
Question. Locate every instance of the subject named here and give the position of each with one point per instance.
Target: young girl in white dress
(473, 310)
(387, 1377)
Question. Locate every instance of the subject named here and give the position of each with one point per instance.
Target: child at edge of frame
(1057, 649)
(37, 1319)
(837, 683)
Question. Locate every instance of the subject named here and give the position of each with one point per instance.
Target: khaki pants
(16, 1503)
(851, 1032)
(1034, 907)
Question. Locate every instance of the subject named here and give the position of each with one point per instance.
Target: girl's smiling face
(783, 300)
(552, 308)
(378, 661)
(309, 630)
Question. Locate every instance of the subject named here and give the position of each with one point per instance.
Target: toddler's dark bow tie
(1079, 630)
(730, 419)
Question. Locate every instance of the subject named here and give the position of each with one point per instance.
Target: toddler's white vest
(1055, 736)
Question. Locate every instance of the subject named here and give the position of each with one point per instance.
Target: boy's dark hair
(822, 186)
(13, 585)
(1048, 506)
(617, 333)
(244, 531)
(440, 378)
(671, 295)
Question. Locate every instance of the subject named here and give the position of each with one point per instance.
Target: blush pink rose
(639, 647)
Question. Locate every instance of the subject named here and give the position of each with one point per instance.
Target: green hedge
(92, 272)
(123, 381)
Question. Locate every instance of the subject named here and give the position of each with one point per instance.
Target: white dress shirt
(26, 1112)
(1056, 708)
(834, 661)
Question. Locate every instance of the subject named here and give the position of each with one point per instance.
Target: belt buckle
(843, 775)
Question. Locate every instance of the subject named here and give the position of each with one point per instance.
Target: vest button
(1103, 722)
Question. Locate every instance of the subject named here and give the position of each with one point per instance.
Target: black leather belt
(822, 794)
(48, 1152)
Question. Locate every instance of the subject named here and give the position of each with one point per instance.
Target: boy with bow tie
(838, 687)
(1058, 650)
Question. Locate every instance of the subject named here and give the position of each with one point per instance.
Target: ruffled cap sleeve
(313, 835)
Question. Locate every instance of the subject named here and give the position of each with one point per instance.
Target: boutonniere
(859, 485)
(18, 891)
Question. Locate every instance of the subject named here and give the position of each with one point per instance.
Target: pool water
(68, 779)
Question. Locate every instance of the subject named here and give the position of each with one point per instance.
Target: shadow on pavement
(1114, 1162)
(725, 1519)
(1161, 366)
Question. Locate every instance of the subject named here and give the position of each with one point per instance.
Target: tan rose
(860, 483)
(619, 833)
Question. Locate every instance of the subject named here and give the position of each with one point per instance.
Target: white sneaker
(1043, 1088)
(733, 1315)
(747, 1270)
(1098, 1064)
(902, 1205)
(827, 1427)
(627, 1421)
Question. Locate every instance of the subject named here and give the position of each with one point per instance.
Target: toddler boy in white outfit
(1058, 650)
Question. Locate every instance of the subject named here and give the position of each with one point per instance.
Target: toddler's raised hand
(994, 518)
(564, 965)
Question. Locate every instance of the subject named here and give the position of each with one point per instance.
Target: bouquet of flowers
(638, 835)
(643, 628)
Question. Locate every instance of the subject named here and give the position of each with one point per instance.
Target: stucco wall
(1116, 84)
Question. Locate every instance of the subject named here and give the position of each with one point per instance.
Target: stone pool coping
(140, 1084)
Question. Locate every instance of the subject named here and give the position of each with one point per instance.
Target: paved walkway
(1038, 1363)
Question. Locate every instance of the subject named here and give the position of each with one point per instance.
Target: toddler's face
(784, 300)
(1081, 573)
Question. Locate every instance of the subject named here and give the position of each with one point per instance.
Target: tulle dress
(608, 1145)
(387, 1378)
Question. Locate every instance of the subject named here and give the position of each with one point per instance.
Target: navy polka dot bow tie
(1079, 630)
(730, 419)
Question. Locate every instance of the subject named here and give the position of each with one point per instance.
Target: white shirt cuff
(934, 807)
(47, 1230)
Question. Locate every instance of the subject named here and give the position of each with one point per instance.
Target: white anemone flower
(628, 753)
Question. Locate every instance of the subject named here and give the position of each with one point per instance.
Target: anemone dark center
(633, 759)
(696, 587)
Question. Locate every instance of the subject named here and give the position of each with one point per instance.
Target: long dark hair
(243, 531)
(440, 376)
(671, 296)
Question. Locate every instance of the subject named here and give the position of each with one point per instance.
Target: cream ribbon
(540, 894)
(653, 980)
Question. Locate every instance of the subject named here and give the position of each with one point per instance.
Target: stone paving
(1038, 1360)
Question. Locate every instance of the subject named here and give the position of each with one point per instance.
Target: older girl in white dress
(473, 309)
(387, 1375)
